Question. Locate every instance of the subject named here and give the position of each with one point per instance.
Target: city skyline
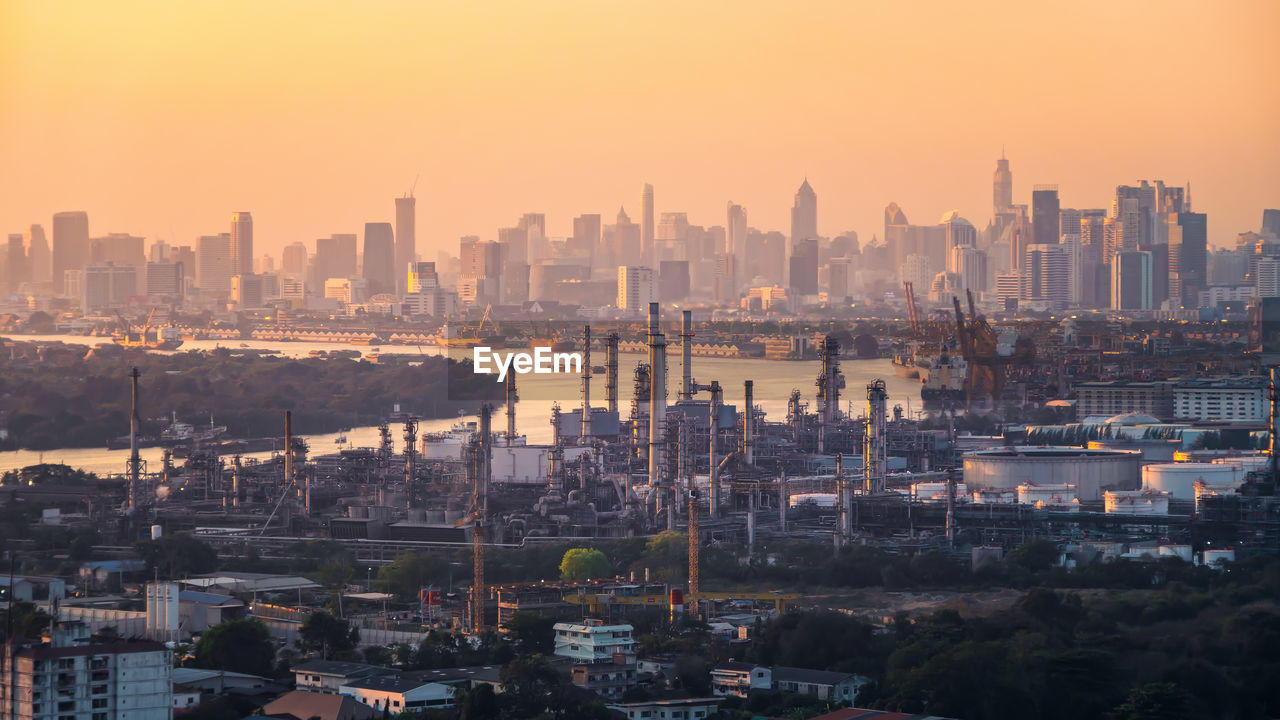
(877, 121)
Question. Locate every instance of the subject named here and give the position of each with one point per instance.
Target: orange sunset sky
(161, 118)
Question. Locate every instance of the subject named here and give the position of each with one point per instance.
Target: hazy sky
(161, 118)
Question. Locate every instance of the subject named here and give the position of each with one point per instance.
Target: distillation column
(611, 371)
(586, 386)
(686, 355)
(873, 455)
(135, 460)
(657, 403)
(749, 423)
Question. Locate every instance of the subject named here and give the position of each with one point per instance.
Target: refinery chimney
(748, 423)
(586, 385)
(686, 355)
(611, 371)
(657, 396)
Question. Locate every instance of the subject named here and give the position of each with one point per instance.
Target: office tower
(480, 270)
(1271, 222)
(586, 235)
(120, 249)
(406, 238)
(958, 233)
(1159, 273)
(1002, 187)
(804, 214)
(70, 243)
(768, 253)
(246, 291)
(266, 265)
(348, 290)
(106, 287)
(1046, 274)
(241, 243)
(185, 256)
(158, 252)
(335, 257)
(1227, 267)
(1131, 281)
(803, 269)
(547, 277)
(635, 288)
(1188, 240)
(1045, 215)
(671, 242)
(897, 235)
(1009, 289)
(736, 239)
(515, 265)
(422, 277)
(1069, 220)
(1076, 269)
(165, 279)
(1268, 277)
(624, 240)
(379, 267)
(726, 278)
(1135, 208)
(38, 256)
(14, 264)
(647, 228)
(916, 270)
(673, 281)
(213, 265)
(970, 264)
(839, 280)
(537, 245)
(294, 260)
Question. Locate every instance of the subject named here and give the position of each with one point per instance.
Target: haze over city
(161, 119)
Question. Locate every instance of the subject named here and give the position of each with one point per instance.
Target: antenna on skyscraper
(414, 185)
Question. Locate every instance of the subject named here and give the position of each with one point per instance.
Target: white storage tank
(1216, 556)
(1092, 471)
(1249, 463)
(1182, 552)
(1180, 479)
(1137, 502)
(1044, 495)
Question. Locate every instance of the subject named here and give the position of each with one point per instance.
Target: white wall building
(635, 288)
(1235, 399)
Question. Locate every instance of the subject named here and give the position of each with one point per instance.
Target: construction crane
(913, 313)
(479, 458)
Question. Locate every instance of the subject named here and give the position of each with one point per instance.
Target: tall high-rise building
(165, 279)
(294, 260)
(1046, 274)
(636, 288)
(624, 240)
(335, 257)
(14, 263)
(379, 267)
(185, 255)
(70, 243)
(960, 233)
(1002, 187)
(803, 268)
(120, 249)
(241, 243)
(586, 235)
(1188, 246)
(1131, 281)
(423, 277)
(804, 214)
(647, 228)
(107, 286)
(736, 243)
(38, 256)
(673, 281)
(406, 239)
(1045, 215)
(970, 264)
(1271, 222)
(1268, 278)
(213, 265)
(247, 290)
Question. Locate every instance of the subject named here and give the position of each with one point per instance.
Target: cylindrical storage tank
(1091, 470)
(1218, 555)
(1153, 450)
(1250, 463)
(1179, 479)
(156, 532)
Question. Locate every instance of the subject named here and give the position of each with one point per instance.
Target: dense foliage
(69, 399)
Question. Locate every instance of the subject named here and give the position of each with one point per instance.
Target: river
(774, 381)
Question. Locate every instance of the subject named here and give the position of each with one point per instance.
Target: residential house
(738, 679)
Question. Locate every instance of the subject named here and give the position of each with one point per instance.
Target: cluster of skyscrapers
(1147, 251)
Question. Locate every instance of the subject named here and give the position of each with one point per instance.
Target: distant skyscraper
(1046, 274)
(960, 233)
(335, 257)
(1045, 216)
(37, 254)
(586, 235)
(804, 214)
(1188, 240)
(241, 243)
(624, 240)
(646, 224)
(15, 264)
(1271, 222)
(70, 243)
(165, 279)
(379, 268)
(804, 269)
(121, 249)
(1002, 187)
(294, 260)
(736, 241)
(673, 281)
(246, 290)
(107, 286)
(1131, 281)
(406, 240)
(213, 265)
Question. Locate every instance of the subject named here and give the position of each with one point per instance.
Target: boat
(368, 341)
(180, 433)
(148, 336)
(904, 366)
(942, 381)
(556, 345)
(340, 440)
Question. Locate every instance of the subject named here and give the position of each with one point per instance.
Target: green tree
(1155, 701)
(177, 556)
(479, 703)
(584, 564)
(532, 633)
(327, 635)
(243, 646)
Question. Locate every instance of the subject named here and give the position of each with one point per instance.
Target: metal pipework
(611, 371)
(486, 455)
(135, 461)
(512, 398)
(586, 385)
(845, 528)
(687, 388)
(288, 448)
(714, 471)
(873, 454)
(749, 423)
(410, 448)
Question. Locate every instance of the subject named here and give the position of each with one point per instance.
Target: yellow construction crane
(598, 602)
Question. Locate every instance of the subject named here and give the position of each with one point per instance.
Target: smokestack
(657, 396)
(713, 469)
(749, 423)
(828, 388)
(512, 399)
(586, 385)
(288, 448)
(784, 499)
(235, 482)
(486, 455)
(845, 529)
(873, 454)
(410, 466)
(135, 461)
(686, 355)
(611, 371)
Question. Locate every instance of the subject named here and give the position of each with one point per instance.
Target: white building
(107, 286)
(1268, 277)
(398, 692)
(603, 656)
(683, 709)
(345, 290)
(737, 679)
(636, 288)
(1242, 399)
(68, 676)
